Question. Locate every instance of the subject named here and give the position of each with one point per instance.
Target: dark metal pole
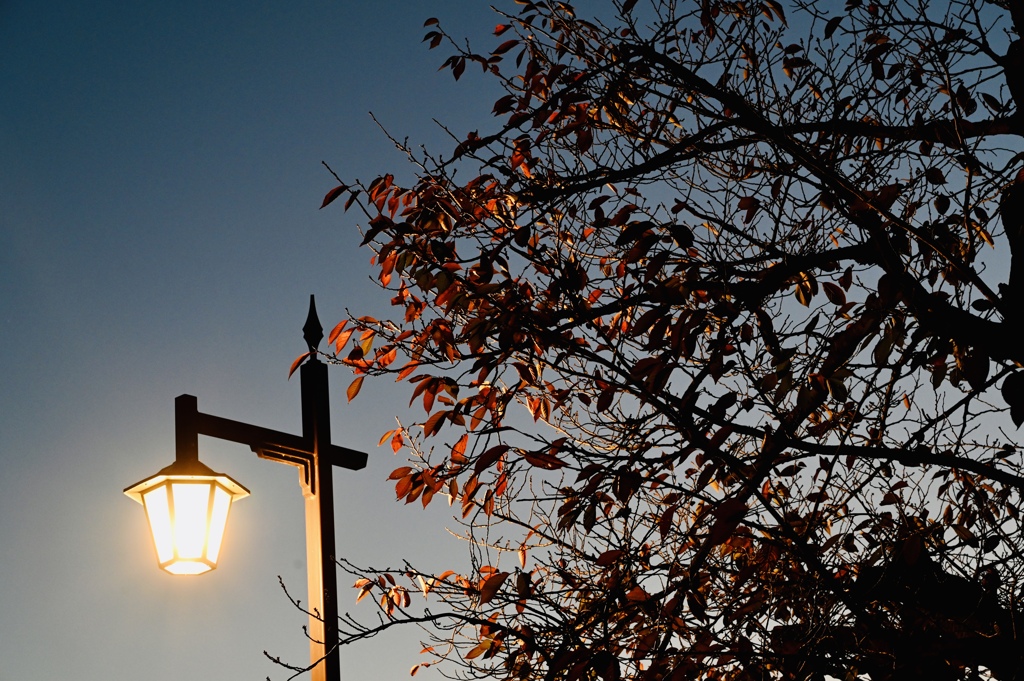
(320, 550)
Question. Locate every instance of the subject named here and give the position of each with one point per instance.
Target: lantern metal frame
(315, 457)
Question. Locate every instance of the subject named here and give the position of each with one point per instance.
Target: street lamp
(187, 503)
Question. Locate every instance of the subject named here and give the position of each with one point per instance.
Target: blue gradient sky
(160, 181)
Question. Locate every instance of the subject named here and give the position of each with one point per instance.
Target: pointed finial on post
(312, 331)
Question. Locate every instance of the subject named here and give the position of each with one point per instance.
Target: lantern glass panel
(218, 521)
(158, 510)
(191, 518)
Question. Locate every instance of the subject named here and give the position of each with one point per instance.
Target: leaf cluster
(723, 337)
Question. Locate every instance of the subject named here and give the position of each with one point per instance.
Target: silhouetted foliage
(717, 332)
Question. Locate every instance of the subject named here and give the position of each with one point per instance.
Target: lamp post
(187, 503)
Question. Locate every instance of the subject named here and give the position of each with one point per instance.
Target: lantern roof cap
(186, 470)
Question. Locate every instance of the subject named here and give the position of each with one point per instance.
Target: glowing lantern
(187, 504)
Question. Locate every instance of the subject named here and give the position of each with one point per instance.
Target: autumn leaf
(400, 472)
(433, 424)
(333, 194)
(543, 460)
(459, 450)
(749, 204)
(339, 327)
(934, 176)
(992, 103)
(728, 515)
(296, 363)
(609, 557)
(505, 46)
(353, 388)
(1013, 394)
(775, 8)
(832, 25)
(489, 586)
(480, 649)
(490, 457)
(638, 595)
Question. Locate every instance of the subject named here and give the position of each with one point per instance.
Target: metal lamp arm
(266, 443)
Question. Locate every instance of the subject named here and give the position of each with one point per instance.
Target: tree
(717, 330)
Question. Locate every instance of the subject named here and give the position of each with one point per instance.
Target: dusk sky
(160, 179)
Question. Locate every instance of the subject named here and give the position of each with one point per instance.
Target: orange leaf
(400, 473)
(637, 595)
(489, 586)
(342, 339)
(433, 424)
(406, 370)
(297, 362)
(459, 450)
(353, 389)
(480, 649)
(336, 330)
(388, 357)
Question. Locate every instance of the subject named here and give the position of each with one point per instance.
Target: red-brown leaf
(728, 515)
(934, 176)
(333, 194)
(609, 557)
(489, 586)
(834, 293)
(543, 460)
(490, 457)
(1013, 393)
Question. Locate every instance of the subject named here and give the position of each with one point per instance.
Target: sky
(160, 180)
